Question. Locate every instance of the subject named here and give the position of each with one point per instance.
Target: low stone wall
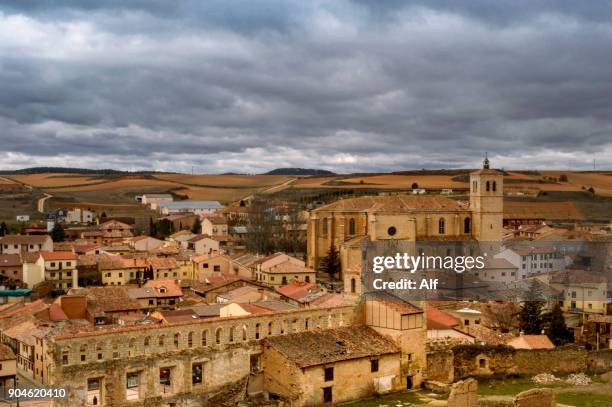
(481, 361)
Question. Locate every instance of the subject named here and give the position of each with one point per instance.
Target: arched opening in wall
(190, 339)
(231, 334)
(353, 286)
(441, 226)
(205, 338)
(494, 186)
(488, 186)
(352, 226)
(284, 282)
(177, 339)
(257, 328)
(161, 340)
(467, 225)
(482, 363)
(218, 336)
(307, 324)
(245, 333)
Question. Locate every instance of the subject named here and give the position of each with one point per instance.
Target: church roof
(395, 203)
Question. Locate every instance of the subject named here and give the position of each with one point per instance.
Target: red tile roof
(164, 288)
(438, 319)
(56, 313)
(10, 260)
(297, 290)
(64, 255)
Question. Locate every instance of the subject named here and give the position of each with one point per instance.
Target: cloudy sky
(359, 85)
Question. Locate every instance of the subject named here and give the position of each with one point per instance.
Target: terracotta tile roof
(313, 348)
(197, 238)
(394, 203)
(328, 300)
(56, 313)
(22, 332)
(24, 239)
(438, 319)
(106, 299)
(254, 308)
(237, 292)
(297, 290)
(484, 334)
(164, 288)
(66, 255)
(83, 248)
(162, 262)
(287, 266)
(531, 342)
(10, 260)
(121, 263)
(182, 315)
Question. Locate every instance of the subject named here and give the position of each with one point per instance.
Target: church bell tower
(487, 203)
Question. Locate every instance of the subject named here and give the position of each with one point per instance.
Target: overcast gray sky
(360, 85)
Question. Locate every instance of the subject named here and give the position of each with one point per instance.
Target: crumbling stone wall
(463, 394)
(600, 360)
(479, 360)
(440, 366)
(535, 398)
(223, 346)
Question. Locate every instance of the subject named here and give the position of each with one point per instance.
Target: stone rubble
(578, 379)
(545, 378)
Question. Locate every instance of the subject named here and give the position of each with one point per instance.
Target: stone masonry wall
(223, 346)
(478, 360)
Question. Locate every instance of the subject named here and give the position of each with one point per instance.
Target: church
(347, 223)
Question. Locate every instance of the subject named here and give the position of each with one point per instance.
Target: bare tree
(260, 227)
(502, 315)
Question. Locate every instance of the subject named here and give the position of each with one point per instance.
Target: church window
(352, 226)
(392, 231)
(488, 186)
(494, 186)
(467, 226)
(441, 226)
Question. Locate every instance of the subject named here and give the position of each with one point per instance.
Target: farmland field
(540, 192)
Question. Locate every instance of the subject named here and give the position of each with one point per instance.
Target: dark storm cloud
(348, 86)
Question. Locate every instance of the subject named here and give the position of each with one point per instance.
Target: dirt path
(41, 202)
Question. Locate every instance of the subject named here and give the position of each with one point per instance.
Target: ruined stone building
(345, 352)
